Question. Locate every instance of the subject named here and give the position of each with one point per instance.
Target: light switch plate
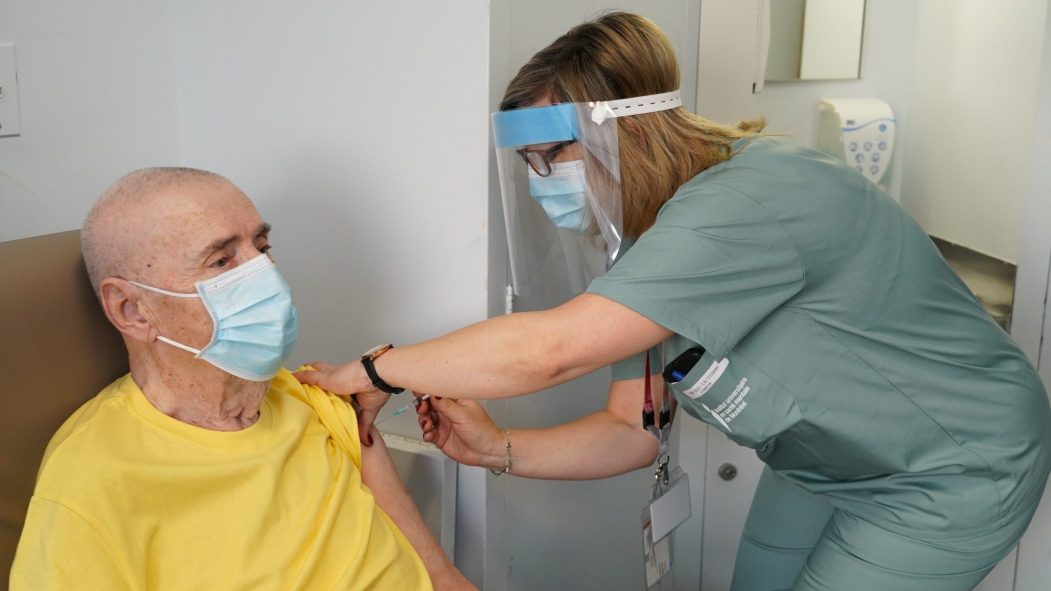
(10, 118)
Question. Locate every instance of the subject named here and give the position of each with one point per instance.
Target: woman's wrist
(498, 458)
(375, 364)
(361, 380)
(494, 460)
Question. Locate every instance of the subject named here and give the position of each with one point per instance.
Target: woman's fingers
(338, 379)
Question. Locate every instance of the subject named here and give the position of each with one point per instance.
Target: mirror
(815, 39)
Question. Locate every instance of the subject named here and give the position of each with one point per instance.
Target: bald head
(146, 212)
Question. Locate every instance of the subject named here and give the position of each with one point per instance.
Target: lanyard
(659, 424)
(669, 505)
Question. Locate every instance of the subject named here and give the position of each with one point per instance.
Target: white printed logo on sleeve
(706, 381)
(739, 399)
(734, 404)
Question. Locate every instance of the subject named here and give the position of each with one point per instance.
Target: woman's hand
(349, 380)
(462, 430)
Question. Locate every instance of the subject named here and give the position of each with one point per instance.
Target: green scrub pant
(796, 540)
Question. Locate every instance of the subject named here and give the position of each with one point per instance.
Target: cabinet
(723, 477)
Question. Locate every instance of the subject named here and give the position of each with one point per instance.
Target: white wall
(887, 50)
(97, 90)
(361, 130)
(1032, 310)
(974, 94)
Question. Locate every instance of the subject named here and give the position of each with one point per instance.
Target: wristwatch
(367, 362)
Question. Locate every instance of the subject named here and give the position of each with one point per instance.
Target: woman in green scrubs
(906, 437)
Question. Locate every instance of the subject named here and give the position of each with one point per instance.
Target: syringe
(415, 402)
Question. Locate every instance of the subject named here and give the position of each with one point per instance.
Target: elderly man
(209, 466)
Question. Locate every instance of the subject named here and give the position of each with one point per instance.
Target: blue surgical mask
(254, 321)
(561, 193)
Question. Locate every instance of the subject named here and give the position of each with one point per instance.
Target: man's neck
(205, 396)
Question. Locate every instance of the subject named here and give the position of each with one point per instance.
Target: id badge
(656, 556)
(671, 507)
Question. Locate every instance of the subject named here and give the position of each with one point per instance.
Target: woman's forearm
(523, 352)
(505, 356)
(500, 357)
(599, 445)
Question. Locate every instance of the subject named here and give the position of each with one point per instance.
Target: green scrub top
(840, 345)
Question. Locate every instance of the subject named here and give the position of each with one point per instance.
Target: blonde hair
(624, 55)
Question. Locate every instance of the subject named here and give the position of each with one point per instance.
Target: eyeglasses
(540, 160)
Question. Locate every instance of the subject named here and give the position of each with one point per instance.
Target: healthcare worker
(801, 311)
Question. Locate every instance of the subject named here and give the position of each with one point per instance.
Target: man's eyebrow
(221, 243)
(216, 246)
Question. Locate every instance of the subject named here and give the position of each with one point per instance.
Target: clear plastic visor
(560, 184)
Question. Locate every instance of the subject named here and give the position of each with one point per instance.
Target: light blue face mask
(561, 194)
(254, 321)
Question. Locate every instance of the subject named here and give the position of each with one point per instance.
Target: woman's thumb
(309, 376)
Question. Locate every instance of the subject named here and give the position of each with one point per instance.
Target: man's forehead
(213, 197)
(185, 221)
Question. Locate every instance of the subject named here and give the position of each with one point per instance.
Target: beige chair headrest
(57, 350)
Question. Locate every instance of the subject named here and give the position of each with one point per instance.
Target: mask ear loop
(178, 345)
(174, 294)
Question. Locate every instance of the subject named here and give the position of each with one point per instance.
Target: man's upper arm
(377, 467)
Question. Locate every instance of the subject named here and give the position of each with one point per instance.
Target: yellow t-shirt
(130, 498)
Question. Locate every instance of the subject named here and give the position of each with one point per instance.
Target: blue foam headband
(535, 125)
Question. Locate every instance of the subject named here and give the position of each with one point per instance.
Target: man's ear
(123, 307)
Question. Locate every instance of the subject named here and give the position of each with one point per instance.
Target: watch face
(377, 351)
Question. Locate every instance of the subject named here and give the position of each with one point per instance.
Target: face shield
(559, 168)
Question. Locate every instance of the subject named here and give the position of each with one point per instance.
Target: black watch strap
(370, 369)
